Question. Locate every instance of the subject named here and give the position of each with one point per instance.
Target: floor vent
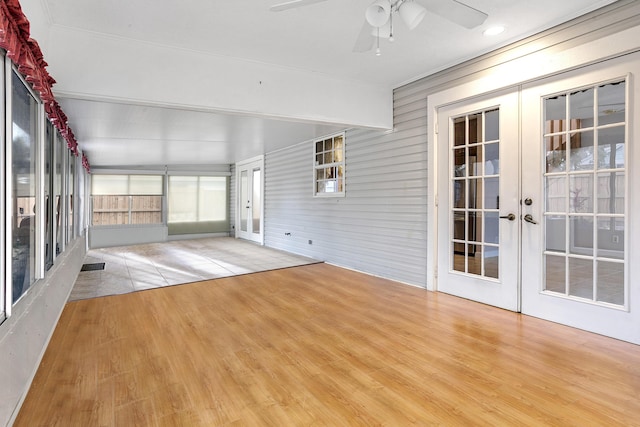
(93, 267)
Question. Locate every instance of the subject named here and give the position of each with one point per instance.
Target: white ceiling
(317, 39)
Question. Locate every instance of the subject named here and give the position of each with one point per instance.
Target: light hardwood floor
(320, 345)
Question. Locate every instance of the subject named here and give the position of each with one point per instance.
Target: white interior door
(478, 200)
(250, 183)
(583, 192)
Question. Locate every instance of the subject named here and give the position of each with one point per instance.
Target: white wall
(234, 85)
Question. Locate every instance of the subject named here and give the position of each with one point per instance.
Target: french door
(536, 195)
(478, 205)
(579, 268)
(250, 179)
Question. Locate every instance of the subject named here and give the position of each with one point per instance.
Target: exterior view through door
(535, 191)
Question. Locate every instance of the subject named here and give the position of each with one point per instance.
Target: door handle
(530, 219)
(510, 217)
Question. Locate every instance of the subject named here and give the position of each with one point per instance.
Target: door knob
(530, 219)
(510, 217)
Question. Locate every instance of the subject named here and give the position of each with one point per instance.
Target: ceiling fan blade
(292, 4)
(456, 12)
(365, 40)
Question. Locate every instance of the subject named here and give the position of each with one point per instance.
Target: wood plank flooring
(319, 345)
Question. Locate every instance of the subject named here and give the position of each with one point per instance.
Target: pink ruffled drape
(26, 54)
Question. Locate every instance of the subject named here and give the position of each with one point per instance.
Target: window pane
(611, 282)
(555, 113)
(556, 194)
(581, 108)
(610, 193)
(23, 177)
(145, 185)
(491, 227)
(555, 233)
(212, 199)
(492, 123)
(146, 209)
(611, 103)
(109, 184)
(255, 209)
(71, 184)
(611, 152)
(581, 278)
(581, 155)
(581, 193)
(581, 235)
(459, 125)
(492, 159)
(475, 128)
(611, 237)
(555, 271)
(183, 198)
(491, 193)
(556, 147)
(244, 195)
(475, 161)
(110, 210)
(491, 261)
(60, 149)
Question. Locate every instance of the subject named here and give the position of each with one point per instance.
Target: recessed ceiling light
(493, 31)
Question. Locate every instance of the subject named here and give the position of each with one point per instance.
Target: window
(71, 184)
(328, 169)
(126, 199)
(23, 186)
(197, 198)
(198, 205)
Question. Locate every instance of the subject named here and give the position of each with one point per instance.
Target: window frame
(130, 201)
(334, 165)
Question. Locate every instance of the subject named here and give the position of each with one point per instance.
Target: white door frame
(250, 165)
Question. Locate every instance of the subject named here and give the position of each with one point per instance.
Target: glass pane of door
(585, 179)
(244, 200)
(475, 186)
(256, 202)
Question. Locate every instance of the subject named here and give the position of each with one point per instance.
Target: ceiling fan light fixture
(412, 14)
(378, 13)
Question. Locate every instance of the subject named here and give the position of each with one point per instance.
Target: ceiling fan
(379, 17)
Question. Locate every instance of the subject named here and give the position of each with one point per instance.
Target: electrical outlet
(615, 239)
(311, 242)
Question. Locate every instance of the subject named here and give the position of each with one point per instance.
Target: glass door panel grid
(474, 192)
(585, 136)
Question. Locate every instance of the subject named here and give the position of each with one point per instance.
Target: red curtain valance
(26, 54)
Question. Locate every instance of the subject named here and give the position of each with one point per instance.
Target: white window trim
(342, 163)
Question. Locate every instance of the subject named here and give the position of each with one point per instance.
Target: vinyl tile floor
(139, 267)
